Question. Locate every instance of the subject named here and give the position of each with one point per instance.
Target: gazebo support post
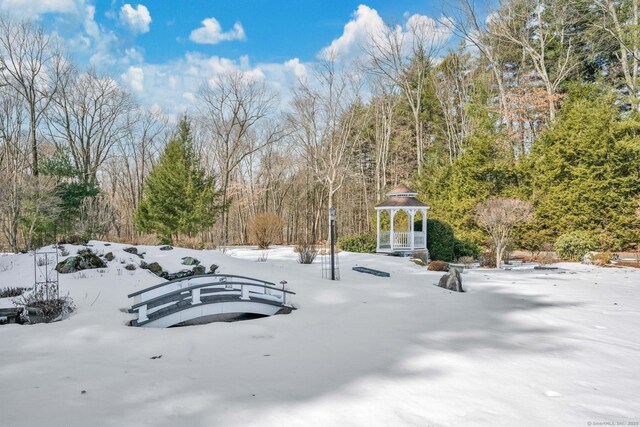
(391, 236)
(377, 230)
(412, 215)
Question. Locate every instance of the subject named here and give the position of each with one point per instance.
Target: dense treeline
(536, 101)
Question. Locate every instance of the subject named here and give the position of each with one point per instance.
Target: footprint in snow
(551, 393)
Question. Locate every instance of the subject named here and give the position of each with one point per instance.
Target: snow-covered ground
(521, 348)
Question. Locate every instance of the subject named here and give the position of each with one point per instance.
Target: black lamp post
(332, 234)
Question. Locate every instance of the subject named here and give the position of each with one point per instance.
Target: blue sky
(163, 50)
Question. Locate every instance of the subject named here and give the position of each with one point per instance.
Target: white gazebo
(402, 198)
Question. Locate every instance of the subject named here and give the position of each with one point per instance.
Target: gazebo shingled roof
(401, 189)
(396, 200)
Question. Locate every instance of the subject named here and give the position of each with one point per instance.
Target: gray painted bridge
(206, 298)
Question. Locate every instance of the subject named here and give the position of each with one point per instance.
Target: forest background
(537, 101)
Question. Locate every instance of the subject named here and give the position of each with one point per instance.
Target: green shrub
(575, 245)
(440, 240)
(463, 248)
(363, 243)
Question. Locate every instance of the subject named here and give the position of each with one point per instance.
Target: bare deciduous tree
(88, 117)
(469, 26)
(498, 216)
(14, 161)
(406, 58)
(236, 108)
(32, 66)
(326, 122)
(621, 20)
(548, 43)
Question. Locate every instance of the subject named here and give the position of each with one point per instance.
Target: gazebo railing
(385, 239)
(401, 240)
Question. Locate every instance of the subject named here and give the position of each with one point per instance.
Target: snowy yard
(521, 347)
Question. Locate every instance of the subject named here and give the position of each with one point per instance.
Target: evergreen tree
(584, 174)
(178, 196)
(484, 170)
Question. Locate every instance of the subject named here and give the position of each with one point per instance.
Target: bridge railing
(192, 289)
(182, 283)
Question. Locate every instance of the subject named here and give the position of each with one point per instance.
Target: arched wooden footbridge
(207, 298)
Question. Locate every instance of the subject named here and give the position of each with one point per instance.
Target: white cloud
(211, 32)
(173, 85)
(31, 8)
(134, 78)
(366, 23)
(298, 68)
(356, 32)
(137, 19)
(132, 55)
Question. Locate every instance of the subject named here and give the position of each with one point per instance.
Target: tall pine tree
(178, 196)
(584, 174)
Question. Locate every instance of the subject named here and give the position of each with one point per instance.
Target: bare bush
(497, 216)
(466, 260)
(265, 229)
(12, 292)
(306, 252)
(438, 266)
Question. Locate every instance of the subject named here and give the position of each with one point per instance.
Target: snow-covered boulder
(452, 281)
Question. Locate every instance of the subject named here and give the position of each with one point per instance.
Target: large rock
(154, 267)
(85, 260)
(452, 281)
(199, 270)
(67, 266)
(179, 275)
(190, 261)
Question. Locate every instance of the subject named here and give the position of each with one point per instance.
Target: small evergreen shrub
(109, 256)
(363, 243)
(438, 266)
(467, 249)
(440, 240)
(130, 267)
(602, 258)
(575, 245)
